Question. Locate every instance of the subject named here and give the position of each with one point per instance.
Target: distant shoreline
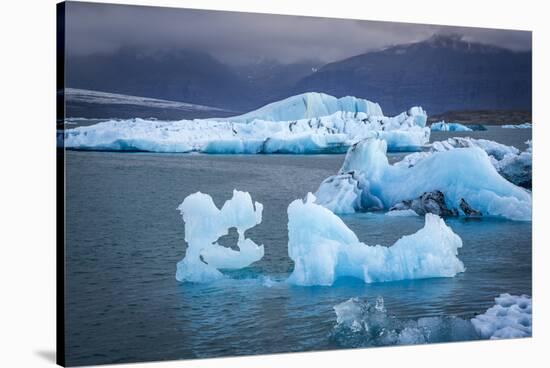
(484, 117)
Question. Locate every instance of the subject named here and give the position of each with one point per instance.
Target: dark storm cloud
(244, 37)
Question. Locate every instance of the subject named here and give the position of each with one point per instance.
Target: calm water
(125, 236)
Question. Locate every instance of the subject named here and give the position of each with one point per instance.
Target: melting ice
(362, 323)
(205, 224)
(442, 126)
(466, 177)
(307, 123)
(510, 317)
(324, 249)
(513, 165)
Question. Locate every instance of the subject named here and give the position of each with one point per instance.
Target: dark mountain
(182, 75)
(186, 75)
(271, 80)
(442, 73)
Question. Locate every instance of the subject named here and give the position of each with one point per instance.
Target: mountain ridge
(440, 74)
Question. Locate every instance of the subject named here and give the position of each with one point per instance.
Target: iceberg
(518, 126)
(513, 165)
(306, 106)
(321, 131)
(205, 224)
(510, 317)
(367, 181)
(324, 249)
(517, 168)
(492, 148)
(442, 126)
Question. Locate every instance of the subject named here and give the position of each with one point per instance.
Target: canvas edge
(60, 185)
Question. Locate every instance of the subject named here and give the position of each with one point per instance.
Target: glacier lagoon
(126, 236)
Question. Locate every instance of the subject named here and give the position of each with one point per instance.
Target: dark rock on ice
(468, 210)
(428, 202)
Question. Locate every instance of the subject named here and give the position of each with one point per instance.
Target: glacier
(510, 317)
(442, 126)
(322, 128)
(360, 322)
(205, 224)
(367, 181)
(324, 249)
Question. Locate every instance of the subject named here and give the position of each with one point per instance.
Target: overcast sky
(238, 38)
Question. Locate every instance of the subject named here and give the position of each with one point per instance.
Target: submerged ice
(367, 181)
(362, 323)
(324, 249)
(309, 123)
(205, 224)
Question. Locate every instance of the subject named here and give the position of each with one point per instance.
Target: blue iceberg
(324, 249)
(367, 181)
(205, 224)
(306, 106)
(442, 126)
(324, 124)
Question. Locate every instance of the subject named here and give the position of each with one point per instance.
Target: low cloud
(239, 38)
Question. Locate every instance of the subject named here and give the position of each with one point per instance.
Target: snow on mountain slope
(98, 97)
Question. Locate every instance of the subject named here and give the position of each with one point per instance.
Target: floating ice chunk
(460, 174)
(306, 106)
(492, 148)
(329, 134)
(351, 314)
(332, 132)
(414, 117)
(442, 126)
(361, 323)
(517, 168)
(205, 224)
(323, 249)
(418, 115)
(510, 317)
(518, 126)
(512, 164)
(405, 140)
(340, 193)
(268, 282)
